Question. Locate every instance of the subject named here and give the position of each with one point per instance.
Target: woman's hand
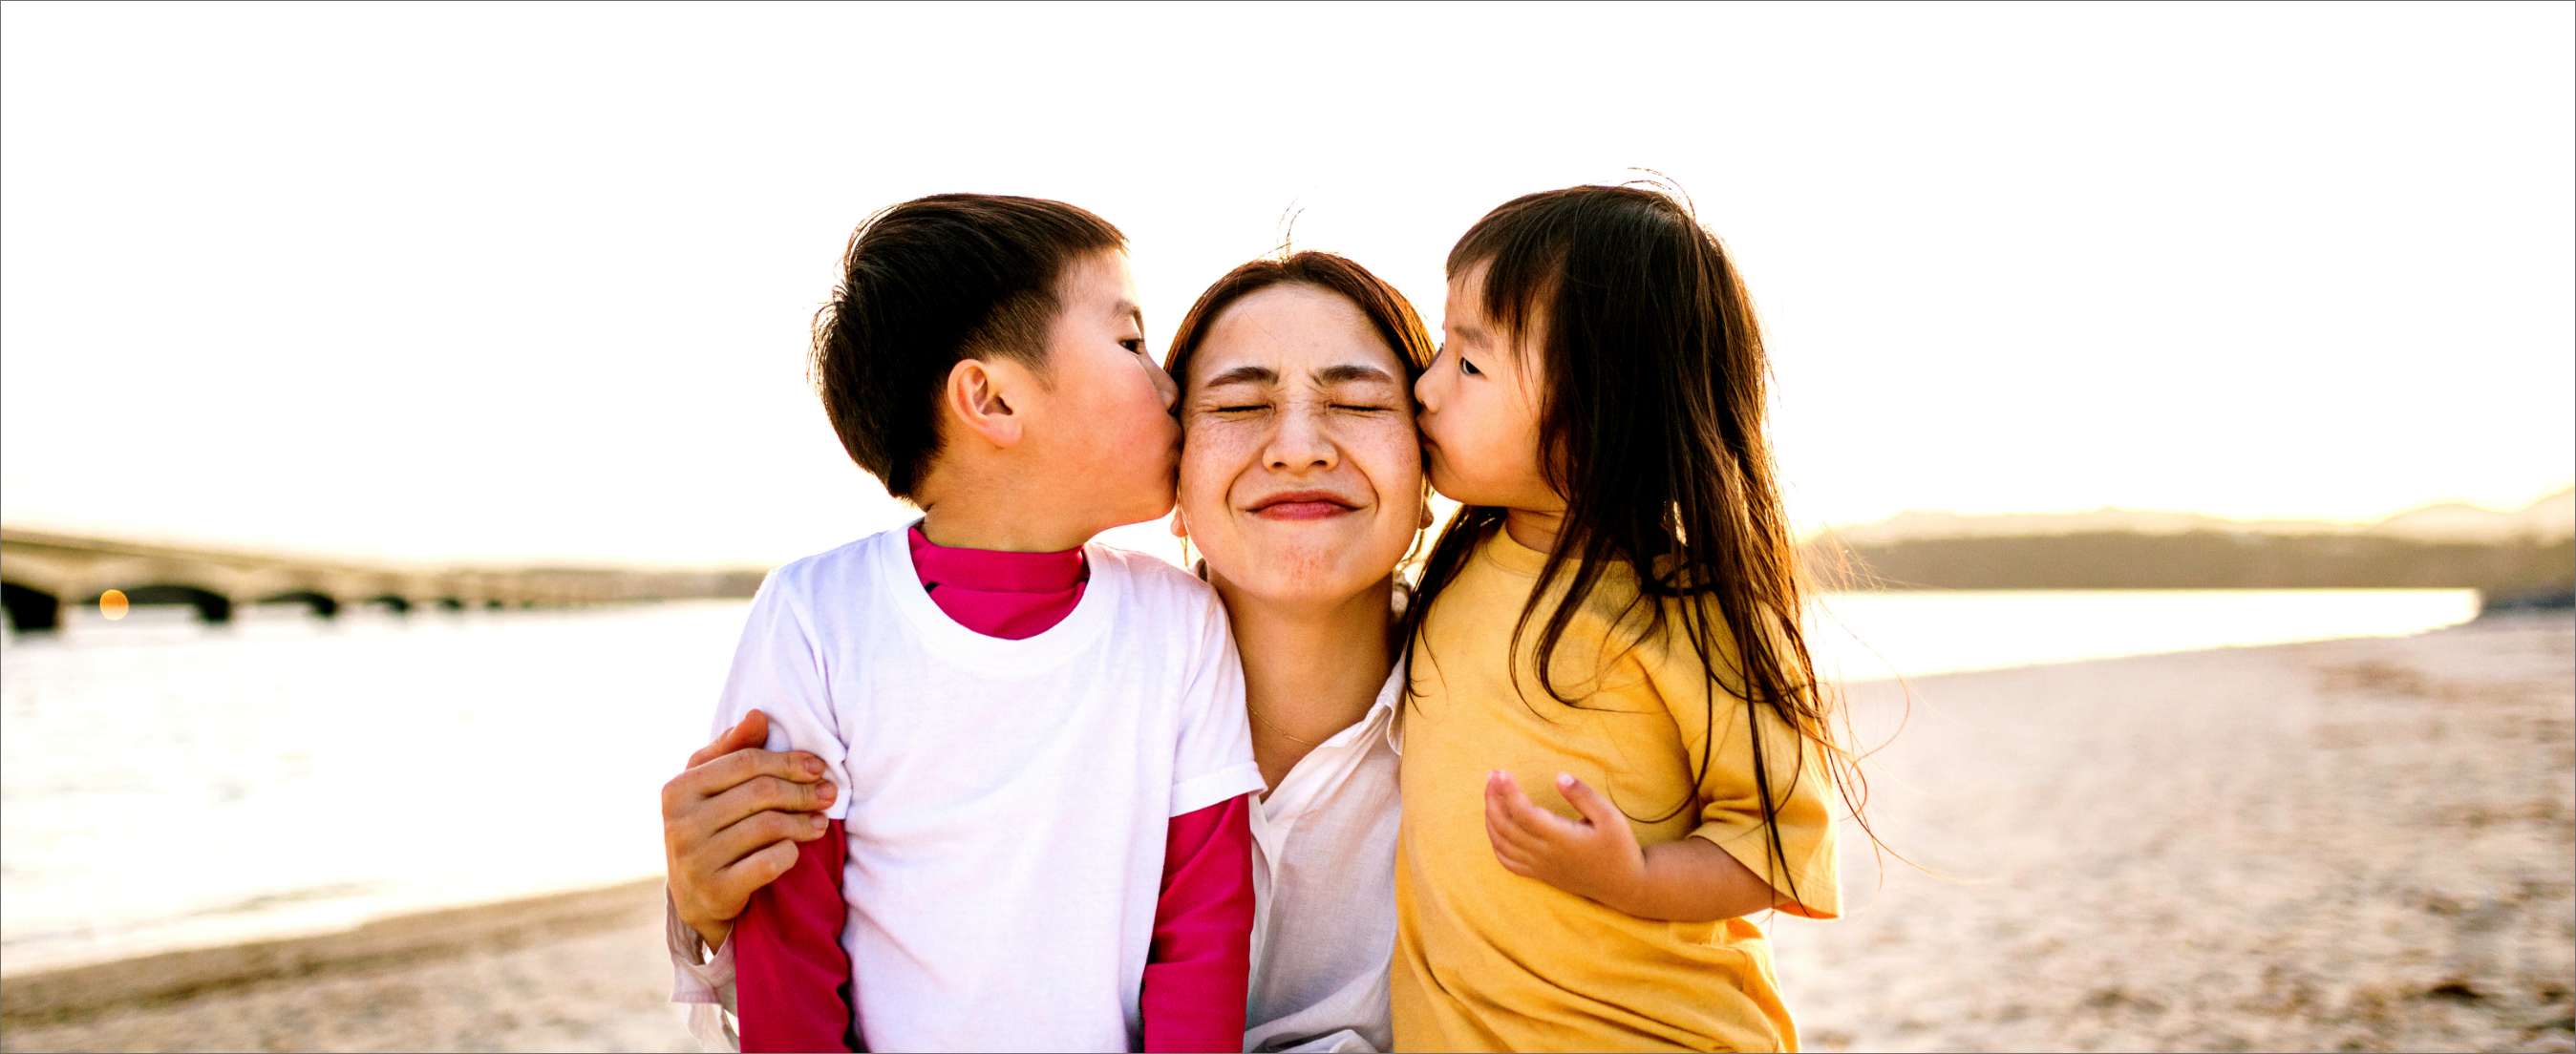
(730, 823)
(1596, 856)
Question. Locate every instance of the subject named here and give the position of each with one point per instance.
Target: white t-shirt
(1323, 880)
(1323, 875)
(1006, 800)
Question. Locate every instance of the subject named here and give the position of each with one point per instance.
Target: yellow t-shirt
(1489, 960)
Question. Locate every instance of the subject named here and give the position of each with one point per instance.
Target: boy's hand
(1595, 857)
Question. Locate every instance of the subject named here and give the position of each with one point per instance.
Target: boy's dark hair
(928, 283)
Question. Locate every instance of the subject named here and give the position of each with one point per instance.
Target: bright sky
(506, 282)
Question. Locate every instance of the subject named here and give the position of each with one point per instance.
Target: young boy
(1041, 839)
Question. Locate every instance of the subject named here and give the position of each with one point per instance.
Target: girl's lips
(1302, 510)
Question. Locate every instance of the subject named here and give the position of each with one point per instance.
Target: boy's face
(1105, 435)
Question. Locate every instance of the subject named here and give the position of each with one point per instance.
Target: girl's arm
(1686, 880)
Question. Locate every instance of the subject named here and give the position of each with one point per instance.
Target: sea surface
(165, 784)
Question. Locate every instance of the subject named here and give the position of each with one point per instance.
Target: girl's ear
(1180, 526)
(978, 398)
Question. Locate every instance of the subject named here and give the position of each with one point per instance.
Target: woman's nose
(1302, 441)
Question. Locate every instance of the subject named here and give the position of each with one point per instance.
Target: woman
(1301, 484)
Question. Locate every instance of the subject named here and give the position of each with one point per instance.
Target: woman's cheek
(1211, 454)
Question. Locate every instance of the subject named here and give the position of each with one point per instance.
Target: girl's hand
(1595, 857)
(730, 823)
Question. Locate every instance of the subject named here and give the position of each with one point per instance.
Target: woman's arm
(732, 821)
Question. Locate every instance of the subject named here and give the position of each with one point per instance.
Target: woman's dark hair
(1387, 310)
(1651, 428)
(925, 284)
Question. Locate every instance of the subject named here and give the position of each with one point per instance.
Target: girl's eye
(1137, 346)
(1468, 368)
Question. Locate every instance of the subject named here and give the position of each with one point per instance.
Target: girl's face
(1480, 408)
(1301, 476)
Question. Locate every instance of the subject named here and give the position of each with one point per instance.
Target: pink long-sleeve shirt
(793, 979)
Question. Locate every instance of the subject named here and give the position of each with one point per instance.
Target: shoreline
(2209, 850)
(71, 993)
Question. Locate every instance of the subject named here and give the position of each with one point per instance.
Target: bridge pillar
(212, 608)
(323, 604)
(30, 610)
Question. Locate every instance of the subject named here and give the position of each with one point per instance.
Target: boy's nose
(1164, 386)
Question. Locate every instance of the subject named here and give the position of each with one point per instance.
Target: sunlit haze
(534, 283)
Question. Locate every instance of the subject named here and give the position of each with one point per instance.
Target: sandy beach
(2346, 845)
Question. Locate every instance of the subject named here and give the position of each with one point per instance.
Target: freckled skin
(1332, 418)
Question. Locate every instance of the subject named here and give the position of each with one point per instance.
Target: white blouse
(1323, 883)
(1323, 886)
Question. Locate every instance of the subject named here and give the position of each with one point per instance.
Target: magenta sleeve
(1200, 962)
(792, 980)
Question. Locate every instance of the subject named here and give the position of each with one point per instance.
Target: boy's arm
(792, 977)
(1198, 967)
(1199, 963)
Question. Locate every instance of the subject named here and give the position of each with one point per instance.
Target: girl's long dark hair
(1651, 427)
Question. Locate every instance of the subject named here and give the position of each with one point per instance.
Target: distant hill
(2548, 518)
(2446, 546)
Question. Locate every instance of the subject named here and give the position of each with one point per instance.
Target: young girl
(1616, 750)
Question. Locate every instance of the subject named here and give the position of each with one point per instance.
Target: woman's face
(1301, 474)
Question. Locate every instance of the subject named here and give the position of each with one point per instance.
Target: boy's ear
(1180, 527)
(979, 395)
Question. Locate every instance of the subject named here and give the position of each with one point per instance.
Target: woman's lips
(1303, 505)
(1302, 510)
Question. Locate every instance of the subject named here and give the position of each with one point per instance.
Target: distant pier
(40, 572)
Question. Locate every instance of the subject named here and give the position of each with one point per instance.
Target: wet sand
(2348, 845)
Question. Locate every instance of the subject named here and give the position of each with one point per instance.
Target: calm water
(166, 785)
